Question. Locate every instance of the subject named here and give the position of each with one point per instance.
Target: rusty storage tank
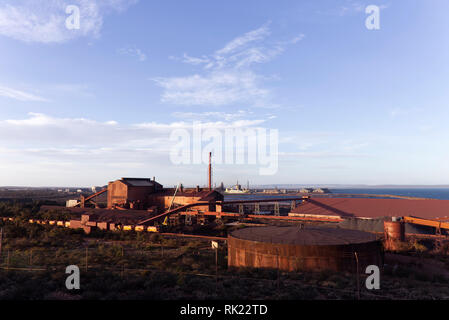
(295, 248)
(394, 234)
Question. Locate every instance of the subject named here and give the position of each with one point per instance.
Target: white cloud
(399, 111)
(192, 60)
(227, 77)
(39, 120)
(215, 89)
(205, 125)
(78, 90)
(297, 38)
(45, 150)
(323, 154)
(42, 133)
(43, 21)
(133, 52)
(19, 95)
(355, 7)
(212, 115)
(239, 42)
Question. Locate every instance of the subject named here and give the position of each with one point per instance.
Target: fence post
(278, 267)
(1, 240)
(358, 275)
(123, 263)
(216, 268)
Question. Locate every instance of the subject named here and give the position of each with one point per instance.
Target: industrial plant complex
(302, 232)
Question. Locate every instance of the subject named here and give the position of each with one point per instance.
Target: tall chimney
(210, 171)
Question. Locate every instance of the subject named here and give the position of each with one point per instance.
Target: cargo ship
(237, 189)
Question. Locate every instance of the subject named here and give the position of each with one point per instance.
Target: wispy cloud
(19, 95)
(196, 116)
(349, 8)
(77, 90)
(226, 76)
(215, 89)
(67, 147)
(239, 42)
(47, 132)
(43, 21)
(191, 60)
(399, 111)
(133, 52)
(356, 7)
(323, 155)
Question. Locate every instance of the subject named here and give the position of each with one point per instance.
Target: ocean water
(431, 193)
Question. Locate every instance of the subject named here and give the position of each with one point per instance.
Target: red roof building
(373, 208)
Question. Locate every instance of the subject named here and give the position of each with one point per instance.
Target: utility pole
(215, 246)
(358, 275)
(1, 239)
(216, 268)
(86, 257)
(210, 171)
(278, 267)
(123, 265)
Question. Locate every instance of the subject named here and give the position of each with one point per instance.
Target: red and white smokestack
(210, 171)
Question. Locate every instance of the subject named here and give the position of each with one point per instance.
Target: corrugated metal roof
(138, 182)
(372, 208)
(306, 236)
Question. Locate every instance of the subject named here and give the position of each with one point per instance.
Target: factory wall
(117, 193)
(377, 225)
(120, 193)
(163, 201)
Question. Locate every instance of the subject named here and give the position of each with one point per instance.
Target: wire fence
(123, 262)
(159, 258)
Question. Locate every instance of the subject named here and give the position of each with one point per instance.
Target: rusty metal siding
(139, 193)
(254, 254)
(394, 230)
(117, 193)
(394, 234)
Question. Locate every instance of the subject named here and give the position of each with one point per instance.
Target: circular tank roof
(310, 236)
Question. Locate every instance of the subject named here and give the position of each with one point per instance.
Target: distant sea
(431, 193)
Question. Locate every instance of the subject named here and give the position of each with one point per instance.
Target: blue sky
(352, 105)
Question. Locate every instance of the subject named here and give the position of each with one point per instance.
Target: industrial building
(132, 192)
(148, 194)
(372, 208)
(421, 216)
